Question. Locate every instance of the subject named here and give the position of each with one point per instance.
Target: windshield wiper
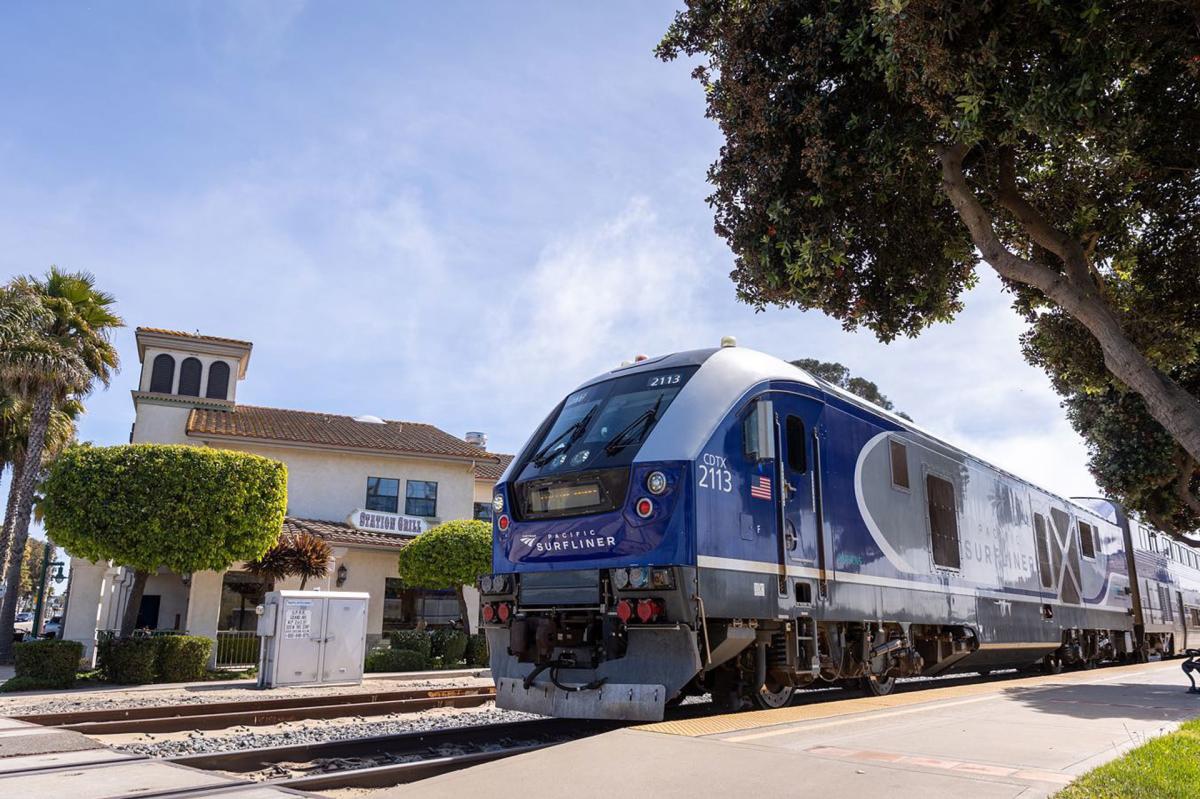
(641, 424)
(563, 440)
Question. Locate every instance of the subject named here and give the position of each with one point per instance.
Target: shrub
(182, 658)
(477, 650)
(450, 645)
(128, 661)
(45, 664)
(413, 641)
(395, 660)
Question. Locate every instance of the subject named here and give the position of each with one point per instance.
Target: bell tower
(181, 371)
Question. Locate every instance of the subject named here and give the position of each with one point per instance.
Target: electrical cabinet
(312, 637)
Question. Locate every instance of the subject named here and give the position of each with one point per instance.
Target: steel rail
(219, 715)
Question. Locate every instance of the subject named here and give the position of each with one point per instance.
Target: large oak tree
(876, 150)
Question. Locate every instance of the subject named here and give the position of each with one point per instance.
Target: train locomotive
(719, 521)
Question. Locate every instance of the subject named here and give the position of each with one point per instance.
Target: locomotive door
(801, 543)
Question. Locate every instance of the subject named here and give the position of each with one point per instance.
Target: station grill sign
(382, 522)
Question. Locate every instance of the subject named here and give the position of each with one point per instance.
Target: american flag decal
(760, 487)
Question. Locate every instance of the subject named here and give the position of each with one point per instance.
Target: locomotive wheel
(878, 686)
(771, 696)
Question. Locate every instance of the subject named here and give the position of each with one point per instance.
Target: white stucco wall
(331, 485)
(158, 423)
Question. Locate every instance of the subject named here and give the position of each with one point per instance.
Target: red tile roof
(181, 334)
(330, 430)
(492, 471)
(336, 533)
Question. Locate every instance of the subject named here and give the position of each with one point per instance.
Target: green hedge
(182, 658)
(45, 664)
(450, 645)
(128, 661)
(395, 660)
(412, 640)
(477, 650)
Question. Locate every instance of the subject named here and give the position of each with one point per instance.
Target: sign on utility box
(312, 638)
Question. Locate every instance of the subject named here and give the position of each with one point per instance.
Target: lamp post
(47, 551)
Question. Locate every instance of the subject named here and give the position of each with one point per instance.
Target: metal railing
(236, 648)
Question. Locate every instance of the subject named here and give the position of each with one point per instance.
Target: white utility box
(312, 638)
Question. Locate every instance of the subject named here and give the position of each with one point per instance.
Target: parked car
(25, 616)
(52, 628)
(22, 629)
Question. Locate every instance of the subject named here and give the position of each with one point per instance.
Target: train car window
(1043, 550)
(1195, 613)
(943, 521)
(1153, 543)
(797, 460)
(899, 465)
(1087, 540)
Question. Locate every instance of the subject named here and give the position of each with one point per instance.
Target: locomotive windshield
(604, 425)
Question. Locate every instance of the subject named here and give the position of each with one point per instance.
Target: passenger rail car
(719, 521)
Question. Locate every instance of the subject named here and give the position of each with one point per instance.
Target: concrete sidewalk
(1022, 738)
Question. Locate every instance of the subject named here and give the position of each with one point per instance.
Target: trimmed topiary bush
(450, 645)
(45, 664)
(395, 660)
(128, 661)
(477, 650)
(413, 641)
(182, 658)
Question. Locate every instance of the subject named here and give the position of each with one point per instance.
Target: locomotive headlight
(485, 584)
(620, 578)
(656, 483)
(498, 503)
(639, 576)
(499, 583)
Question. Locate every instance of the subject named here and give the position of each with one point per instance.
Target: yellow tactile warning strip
(734, 722)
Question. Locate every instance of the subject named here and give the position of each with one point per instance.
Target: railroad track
(260, 712)
(392, 759)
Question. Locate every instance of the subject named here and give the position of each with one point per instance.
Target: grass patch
(1167, 767)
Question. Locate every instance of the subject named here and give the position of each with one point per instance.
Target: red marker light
(505, 611)
(489, 613)
(625, 610)
(502, 523)
(641, 358)
(644, 507)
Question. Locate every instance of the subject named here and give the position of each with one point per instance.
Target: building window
(162, 374)
(241, 593)
(189, 377)
(483, 511)
(796, 457)
(383, 493)
(218, 380)
(899, 465)
(1087, 540)
(1043, 550)
(420, 498)
(943, 521)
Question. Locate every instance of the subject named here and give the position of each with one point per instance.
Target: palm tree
(15, 417)
(54, 343)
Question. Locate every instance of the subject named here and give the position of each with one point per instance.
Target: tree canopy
(875, 151)
(451, 555)
(150, 505)
(839, 375)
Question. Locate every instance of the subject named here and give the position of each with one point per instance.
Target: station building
(364, 484)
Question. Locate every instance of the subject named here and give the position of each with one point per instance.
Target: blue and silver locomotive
(719, 521)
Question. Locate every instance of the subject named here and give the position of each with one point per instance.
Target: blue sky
(449, 213)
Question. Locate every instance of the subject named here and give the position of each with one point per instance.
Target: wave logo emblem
(528, 540)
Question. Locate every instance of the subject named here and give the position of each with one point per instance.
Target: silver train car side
(719, 521)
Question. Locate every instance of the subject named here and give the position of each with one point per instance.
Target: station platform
(1022, 737)
(39, 762)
